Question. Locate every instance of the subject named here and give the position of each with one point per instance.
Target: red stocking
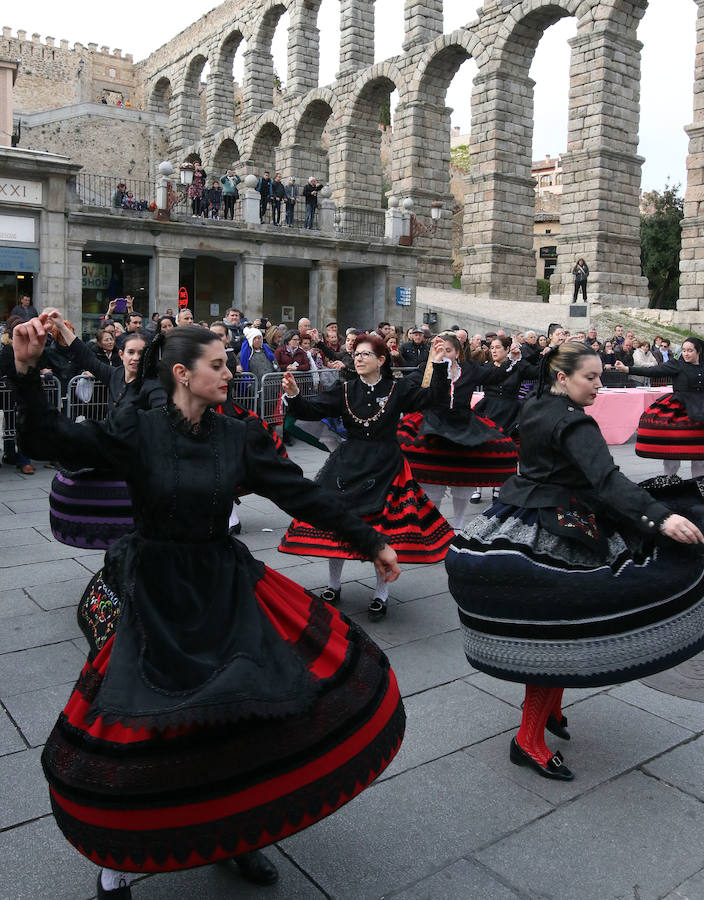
(539, 703)
(557, 706)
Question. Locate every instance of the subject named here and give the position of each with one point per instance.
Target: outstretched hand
(29, 339)
(620, 367)
(289, 385)
(386, 563)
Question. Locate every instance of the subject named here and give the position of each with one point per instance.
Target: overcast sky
(667, 31)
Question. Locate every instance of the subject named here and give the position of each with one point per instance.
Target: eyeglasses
(363, 354)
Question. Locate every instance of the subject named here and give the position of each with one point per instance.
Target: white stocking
(697, 468)
(671, 466)
(234, 518)
(435, 492)
(112, 880)
(460, 502)
(382, 588)
(335, 573)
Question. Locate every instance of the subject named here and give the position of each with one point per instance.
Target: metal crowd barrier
(87, 398)
(244, 390)
(52, 392)
(309, 384)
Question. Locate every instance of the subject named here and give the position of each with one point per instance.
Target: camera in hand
(120, 305)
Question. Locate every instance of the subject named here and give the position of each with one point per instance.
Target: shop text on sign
(17, 191)
(96, 276)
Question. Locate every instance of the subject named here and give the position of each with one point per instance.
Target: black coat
(500, 402)
(414, 354)
(564, 456)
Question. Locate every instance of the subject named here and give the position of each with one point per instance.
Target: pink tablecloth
(617, 410)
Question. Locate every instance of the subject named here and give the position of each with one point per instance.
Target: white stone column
(303, 47)
(326, 212)
(422, 22)
(690, 306)
(252, 297)
(166, 278)
(356, 36)
(250, 198)
(8, 73)
(327, 272)
(394, 220)
(72, 304)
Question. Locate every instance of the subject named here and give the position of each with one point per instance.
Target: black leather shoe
(121, 893)
(255, 867)
(376, 609)
(559, 729)
(553, 768)
(330, 596)
(236, 529)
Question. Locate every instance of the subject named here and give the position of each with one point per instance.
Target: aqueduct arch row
(601, 182)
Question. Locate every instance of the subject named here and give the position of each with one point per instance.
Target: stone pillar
(600, 214)
(326, 290)
(53, 228)
(166, 278)
(394, 220)
(500, 200)
(356, 36)
(303, 48)
(691, 298)
(326, 212)
(313, 304)
(219, 101)
(72, 305)
(250, 198)
(184, 120)
(258, 81)
(252, 284)
(422, 22)
(405, 316)
(355, 165)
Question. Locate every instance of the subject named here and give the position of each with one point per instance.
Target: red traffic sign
(182, 298)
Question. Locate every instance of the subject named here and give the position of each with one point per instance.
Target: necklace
(367, 422)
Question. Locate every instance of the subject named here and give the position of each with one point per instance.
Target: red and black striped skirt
(142, 800)
(411, 524)
(435, 460)
(665, 431)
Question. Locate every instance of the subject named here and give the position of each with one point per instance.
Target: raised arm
(664, 370)
(326, 403)
(285, 485)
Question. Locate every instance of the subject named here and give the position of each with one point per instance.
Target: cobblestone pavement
(451, 817)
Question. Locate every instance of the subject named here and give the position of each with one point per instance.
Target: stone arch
(226, 155)
(187, 110)
(523, 29)
(258, 87)
(265, 143)
(441, 61)
(312, 139)
(160, 97)
(222, 111)
(374, 84)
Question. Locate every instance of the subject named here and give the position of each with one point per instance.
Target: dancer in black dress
(501, 401)
(672, 428)
(452, 445)
(565, 581)
(367, 473)
(229, 708)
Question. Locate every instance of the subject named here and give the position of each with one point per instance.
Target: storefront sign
(96, 276)
(14, 190)
(17, 228)
(403, 296)
(182, 298)
(16, 259)
(548, 252)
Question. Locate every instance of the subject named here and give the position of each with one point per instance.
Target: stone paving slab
(428, 662)
(24, 537)
(16, 603)
(12, 522)
(687, 713)
(692, 889)
(463, 880)
(43, 551)
(40, 573)
(36, 711)
(22, 788)
(10, 738)
(29, 670)
(26, 505)
(513, 693)
(447, 718)
(416, 582)
(38, 863)
(681, 767)
(406, 828)
(425, 616)
(609, 737)
(634, 838)
(60, 593)
(38, 629)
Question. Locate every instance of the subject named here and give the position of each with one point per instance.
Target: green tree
(385, 112)
(459, 157)
(660, 243)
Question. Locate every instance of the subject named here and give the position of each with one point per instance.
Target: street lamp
(186, 173)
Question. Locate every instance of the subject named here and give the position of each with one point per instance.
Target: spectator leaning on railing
(255, 356)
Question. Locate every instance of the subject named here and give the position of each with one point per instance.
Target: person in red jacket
(289, 355)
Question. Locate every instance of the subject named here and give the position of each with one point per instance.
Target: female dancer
(550, 580)
(672, 428)
(230, 708)
(368, 473)
(501, 401)
(454, 447)
(88, 508)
